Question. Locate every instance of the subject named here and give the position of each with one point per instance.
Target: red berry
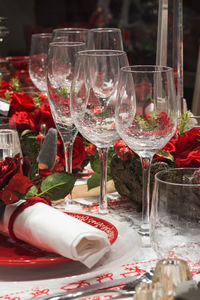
(125, 153)
(90, 150)
(118, 145)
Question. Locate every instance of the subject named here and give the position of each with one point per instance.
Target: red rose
(23, 120)
(170, 147)
(15, 184)
(78, 153)
(4, 85)
(185, 148)
(42, 116)
(187, 152)
(8, 168)
(19, 102)
(8, 194)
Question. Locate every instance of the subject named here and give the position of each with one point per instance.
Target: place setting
(99, 174)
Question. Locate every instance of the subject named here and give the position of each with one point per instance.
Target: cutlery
(102, 288)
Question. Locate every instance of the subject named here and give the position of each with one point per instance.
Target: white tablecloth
(126, 258)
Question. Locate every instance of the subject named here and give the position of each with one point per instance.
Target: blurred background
(136, 18)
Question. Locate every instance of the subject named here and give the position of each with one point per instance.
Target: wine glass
(175, 214)
(60, 70)
(105, 38)
(146, 118)
(70, 35)
(38, 59)
(93, 103)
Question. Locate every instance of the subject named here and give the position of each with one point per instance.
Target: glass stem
(146, 165)
(103, 157)
(68, 156)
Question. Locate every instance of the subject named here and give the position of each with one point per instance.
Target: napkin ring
(29, 202)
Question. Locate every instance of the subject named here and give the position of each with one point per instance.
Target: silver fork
(128, 289)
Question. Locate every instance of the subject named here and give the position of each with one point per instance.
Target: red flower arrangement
(30, 114)
(183, 150)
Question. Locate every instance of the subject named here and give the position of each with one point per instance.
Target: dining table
(34, 276)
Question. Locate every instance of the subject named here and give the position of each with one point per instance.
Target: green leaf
(25, 132)
(165, 154)
(57, 185)
(34, 170)
(183, 126)
(29, 146)
(95, 163)
(63, 92)
(33, 191)
(94, 181)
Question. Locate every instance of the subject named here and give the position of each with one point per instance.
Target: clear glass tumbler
(9, 139)
(175, 215)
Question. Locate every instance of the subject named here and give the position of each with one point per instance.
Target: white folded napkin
(50, 229)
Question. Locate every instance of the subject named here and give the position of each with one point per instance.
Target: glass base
(144, 229)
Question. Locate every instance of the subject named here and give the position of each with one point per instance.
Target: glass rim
(105, 29)
(173, 183)
(42, 34)
(149, 69)
(66, 44)
(70, 29)
(101, 52)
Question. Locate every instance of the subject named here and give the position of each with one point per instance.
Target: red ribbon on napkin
(29, 202)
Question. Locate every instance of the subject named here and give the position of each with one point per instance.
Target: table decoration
(170, 273)
(23, 254)
(47, 228)
(31, 114)
(183, 150)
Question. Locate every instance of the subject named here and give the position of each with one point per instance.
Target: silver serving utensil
(99, 289)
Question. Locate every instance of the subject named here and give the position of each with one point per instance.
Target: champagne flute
(147, 125)
(60, 70)
(38, 59)
(93, 103)
(105, 38)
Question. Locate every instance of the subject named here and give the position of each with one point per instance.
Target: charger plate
(25, 255)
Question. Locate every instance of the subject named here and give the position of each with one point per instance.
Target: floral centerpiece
(183, 150)
(33, 120)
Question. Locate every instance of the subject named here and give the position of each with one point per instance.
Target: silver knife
(100, 288)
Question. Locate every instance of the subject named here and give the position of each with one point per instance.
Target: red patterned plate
(25, 255)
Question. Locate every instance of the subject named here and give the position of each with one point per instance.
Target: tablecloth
(127, 258)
